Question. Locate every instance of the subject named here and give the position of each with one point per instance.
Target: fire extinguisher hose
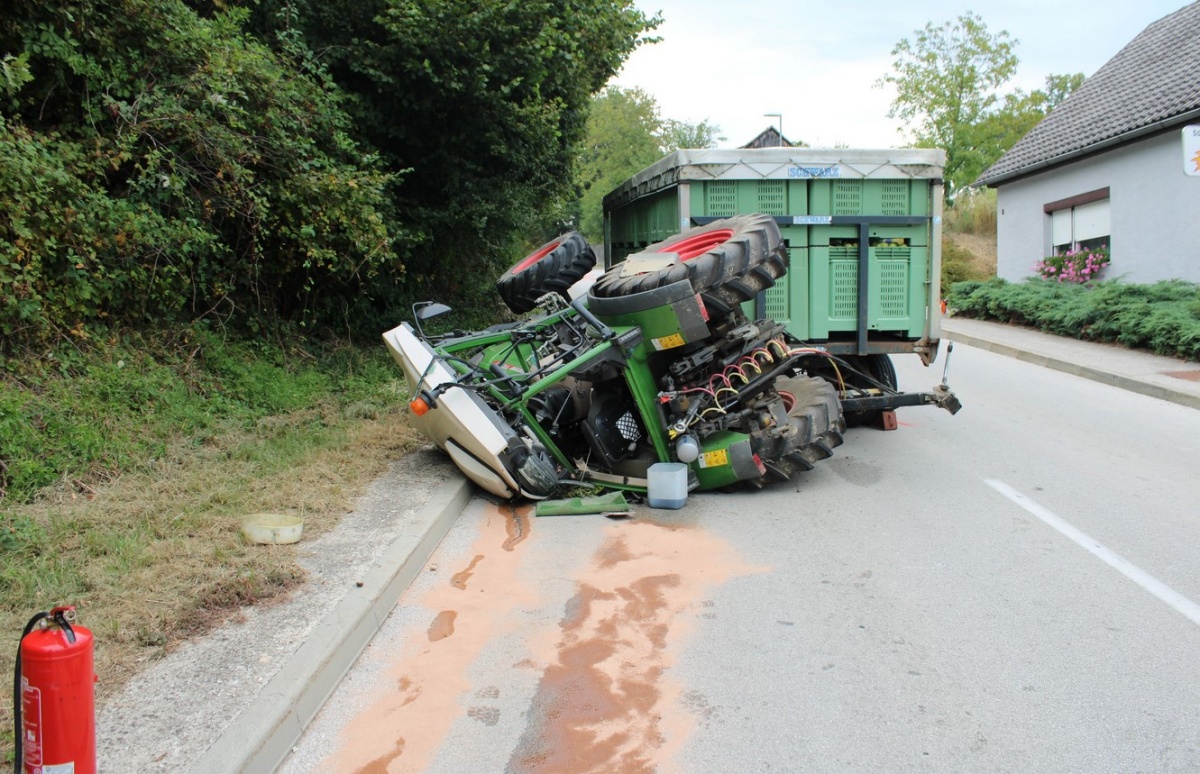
(60, 617)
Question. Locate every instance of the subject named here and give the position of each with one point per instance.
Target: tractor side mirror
(425, 310)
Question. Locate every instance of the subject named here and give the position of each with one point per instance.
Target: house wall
(1154, 207)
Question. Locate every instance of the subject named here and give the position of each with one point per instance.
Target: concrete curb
(262, 735)
(1097, 375)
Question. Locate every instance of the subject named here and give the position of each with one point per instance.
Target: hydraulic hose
(17, 731)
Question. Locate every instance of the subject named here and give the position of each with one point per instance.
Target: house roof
(769, 138)
(1151, 85)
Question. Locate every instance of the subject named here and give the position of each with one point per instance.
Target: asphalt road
(1009, 589)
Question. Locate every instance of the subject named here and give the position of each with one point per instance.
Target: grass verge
(129, 465)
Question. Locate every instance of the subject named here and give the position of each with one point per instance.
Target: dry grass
(973, 213)
(982, 250)
(159, 555)
(969, 239)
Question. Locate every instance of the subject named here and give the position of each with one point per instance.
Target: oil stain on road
(402, 730)
(604, 700)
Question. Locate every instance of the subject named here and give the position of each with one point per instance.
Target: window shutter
(1061, 227)
(1091, 221)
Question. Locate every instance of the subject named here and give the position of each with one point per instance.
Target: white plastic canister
(668, 485)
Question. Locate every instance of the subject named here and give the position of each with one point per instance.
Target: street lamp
(780, 117)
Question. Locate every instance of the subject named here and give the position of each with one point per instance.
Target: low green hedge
(1163, 317)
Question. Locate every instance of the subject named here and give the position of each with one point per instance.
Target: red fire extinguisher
(54, 702)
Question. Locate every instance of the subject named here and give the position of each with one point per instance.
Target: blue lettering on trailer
(807, 172)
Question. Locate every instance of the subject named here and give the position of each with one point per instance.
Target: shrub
(1163, 317)
(156, 165)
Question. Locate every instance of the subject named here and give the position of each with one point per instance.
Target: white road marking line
(1179, 602)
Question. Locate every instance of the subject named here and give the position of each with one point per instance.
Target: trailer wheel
(816, 414)
(552, 268)
(727, 262)
(880, 368)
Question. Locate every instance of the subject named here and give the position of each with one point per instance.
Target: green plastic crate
(661, 218)
(897, 305)
(787, 301)
(724, 198)
(644, 222)
(824, 236)
(869, 197)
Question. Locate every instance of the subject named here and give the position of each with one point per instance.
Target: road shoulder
(249, 688)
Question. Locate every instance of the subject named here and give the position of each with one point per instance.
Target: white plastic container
(272, 528)
(668, 485)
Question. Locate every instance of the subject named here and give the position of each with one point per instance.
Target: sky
(817, 62)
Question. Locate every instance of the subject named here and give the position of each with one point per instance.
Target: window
(1080, 222)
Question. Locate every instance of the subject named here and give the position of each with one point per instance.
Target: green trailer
(862, 228)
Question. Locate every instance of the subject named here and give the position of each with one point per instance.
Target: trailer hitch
(940, 396)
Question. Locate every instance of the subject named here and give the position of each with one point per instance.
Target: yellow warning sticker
(714, 459)
(668, 342)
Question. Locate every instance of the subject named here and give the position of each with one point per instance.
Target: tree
(1019, 113)
(626, 134)
(622, 138)
(1059, 87)
(481, 104)
(681, 134)
(158, 166)
(948, 80)
(166, 159)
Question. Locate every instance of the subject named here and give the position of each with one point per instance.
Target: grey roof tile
(1154, 79)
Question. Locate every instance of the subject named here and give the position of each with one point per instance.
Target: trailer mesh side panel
(847, 197)
(843, 286)
(894, 263)
(777, 303)
(721, 198)
(772, 196)
(895, 197)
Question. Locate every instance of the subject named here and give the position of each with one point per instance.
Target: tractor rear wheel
(814, 410)
(727, 262)
(552, 268)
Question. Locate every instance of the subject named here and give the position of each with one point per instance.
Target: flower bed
(1077, 265)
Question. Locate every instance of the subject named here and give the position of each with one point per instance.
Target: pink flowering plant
(1075, 265)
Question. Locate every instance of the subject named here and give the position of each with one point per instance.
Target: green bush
(157, 165)
(1163, 317)
(283, 160)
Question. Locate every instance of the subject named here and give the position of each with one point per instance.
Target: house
(1117, 163)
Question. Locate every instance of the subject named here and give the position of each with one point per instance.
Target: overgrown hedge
(157, 165)
(318, 163)
(1163, 317)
